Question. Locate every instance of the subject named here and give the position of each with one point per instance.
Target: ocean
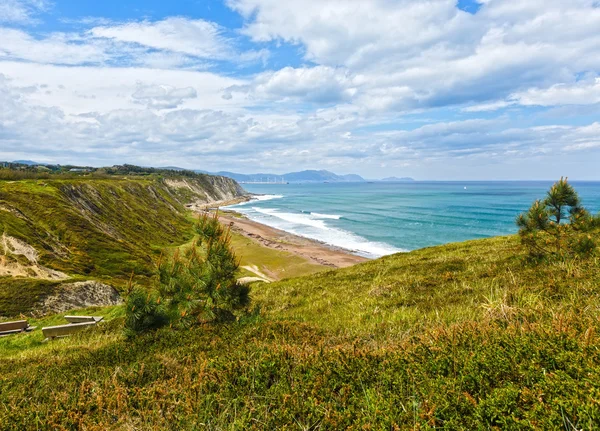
(376, 219)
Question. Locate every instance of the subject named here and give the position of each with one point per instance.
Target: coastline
(198, 207)
(309, 249)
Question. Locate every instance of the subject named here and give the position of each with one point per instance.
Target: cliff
(57, 231)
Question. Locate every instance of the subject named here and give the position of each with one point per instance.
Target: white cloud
(581, 93)
(196, 38)
(420, 54)
(78, 90)
(162, 96)
(58, 48)
(216, 139)
(172, 43)
(585, 92)
(172, 91)
(21, 11)
(492, 106)
(317, 84)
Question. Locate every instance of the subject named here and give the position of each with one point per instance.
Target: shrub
(558, 225)
(196, 284)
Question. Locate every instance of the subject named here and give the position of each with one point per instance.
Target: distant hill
(396, 179)
(177, 168)
(309, 176)
(27, 162)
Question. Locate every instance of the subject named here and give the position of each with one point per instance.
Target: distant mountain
(27, 162)
(310, 176)
(396, 179)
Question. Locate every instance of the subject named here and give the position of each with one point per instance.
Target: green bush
(196, 284)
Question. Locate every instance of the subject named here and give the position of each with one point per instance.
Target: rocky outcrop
(79, 295)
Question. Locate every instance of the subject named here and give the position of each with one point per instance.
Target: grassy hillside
(95, 228)
(463, 336)
(276, 264)
(469, 281)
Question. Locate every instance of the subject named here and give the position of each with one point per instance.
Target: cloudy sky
(434, 89)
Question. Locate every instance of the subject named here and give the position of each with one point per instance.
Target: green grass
(439, 285)
(99, 228)
(31, 344)
(275, 263)
(108, 228)
(464, 336)
(285, 375)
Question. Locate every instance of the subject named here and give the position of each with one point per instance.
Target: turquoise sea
(374, 219)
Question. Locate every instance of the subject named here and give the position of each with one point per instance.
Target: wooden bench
(51, 332)
(83, 319)
(8, 328)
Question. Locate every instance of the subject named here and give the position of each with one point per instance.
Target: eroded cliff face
(219, 188)
(208, 190)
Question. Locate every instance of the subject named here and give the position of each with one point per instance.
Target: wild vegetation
(20, 171)
(474, 335)
(195, 284)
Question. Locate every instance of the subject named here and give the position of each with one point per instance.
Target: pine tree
(558, 225)
(195, 284)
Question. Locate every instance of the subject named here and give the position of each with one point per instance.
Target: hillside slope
(463, 336)
(93, 228)
(477, 280)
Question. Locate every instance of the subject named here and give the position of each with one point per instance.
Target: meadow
(463, 336)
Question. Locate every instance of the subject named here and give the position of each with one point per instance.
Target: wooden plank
(81, 319)
(14, 331)
(20, 325)
(64, 330)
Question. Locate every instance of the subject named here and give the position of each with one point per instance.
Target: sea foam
(266, 197)
(326, 216)
(257, 198)
(315, 227)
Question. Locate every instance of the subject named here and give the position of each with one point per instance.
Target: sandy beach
(309, 249)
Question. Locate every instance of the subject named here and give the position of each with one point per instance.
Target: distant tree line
(19, 171)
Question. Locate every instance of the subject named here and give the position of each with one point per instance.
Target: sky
(432, 89)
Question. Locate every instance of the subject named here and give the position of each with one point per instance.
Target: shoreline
(312, 250)
(198, 207)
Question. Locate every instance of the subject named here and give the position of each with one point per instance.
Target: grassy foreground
(463, 336)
